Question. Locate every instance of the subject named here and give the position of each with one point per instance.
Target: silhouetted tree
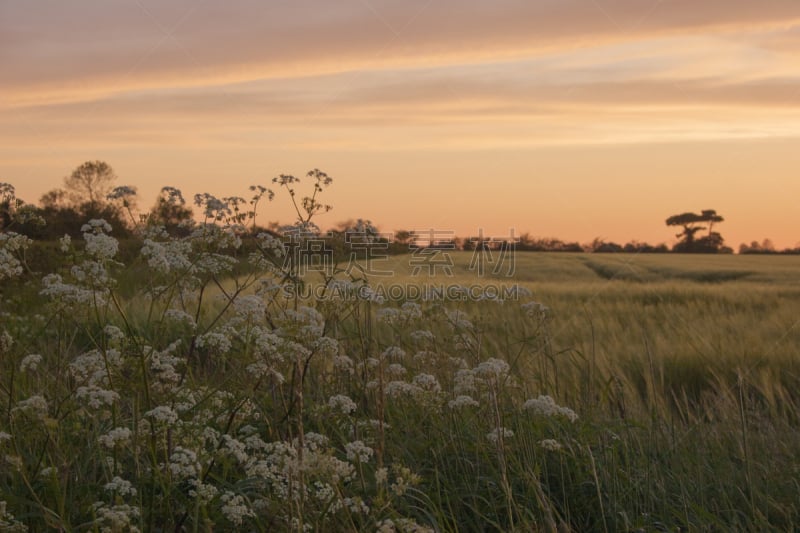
(8, 203)
(171, 211)
(54, 198)
(90, 183)
(692, 223)
(403, 236)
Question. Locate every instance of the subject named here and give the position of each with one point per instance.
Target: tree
(403, 236)
(170, 210)
(90, 183)
(692, 223)
(54, 199)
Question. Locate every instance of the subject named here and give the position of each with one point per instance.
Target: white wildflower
(389, 315)
(120, 486)
(411, 311)
(235, 448)
(35, 406)
(65, 243)
(356, 505)
(96, 397)
(342, 403)
(214, 341)
(163, 413)
(101, 246)
(386, 526)
(235, 508)
(492, 368)
(457, 320)
(343, 363)
(180, 317)
(250, 307)
(6, 341)
(393, 353)
(357, 450)
(494, 435)
(546, 406)
(404, 478)
(204, 492)
(422, 335)
(113, 333)
(535, 310)
(168, 256)
(30, 362)
(96, 226)
(183, 463)
(11, 243)
(462, 401)
(117, 518)
(396, 370)
(116, 436)
(398, 389)
(427, 382)
(269, 243)
(550, 445)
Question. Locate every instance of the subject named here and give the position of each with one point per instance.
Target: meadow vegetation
(189, 384)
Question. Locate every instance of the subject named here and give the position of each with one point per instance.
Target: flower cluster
(547, 406)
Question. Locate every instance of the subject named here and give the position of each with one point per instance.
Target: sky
(576, 119)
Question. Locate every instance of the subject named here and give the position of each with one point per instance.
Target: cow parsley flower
(342, 403)
(359, 451)
(183, 463)
(492, 368)
(535, 310)
(545, 405)
(117, 518)
(35, 406)
(235, 508)
(6, 341)
(164, 414)
(116, 436)
(180, 317)
(204, 492)
(65, 243)
(396, 370)
(343, 363)
(422, 335)
(427, 383)
(462, 401)
(393, 353)
(214, 341)
(120, 486)
(30, 362)
(96, 397)
(495, 435)
(550, 445)
(96, 226)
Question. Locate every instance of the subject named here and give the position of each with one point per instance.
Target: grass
(684, 372)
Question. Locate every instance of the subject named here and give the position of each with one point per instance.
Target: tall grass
(186, 389)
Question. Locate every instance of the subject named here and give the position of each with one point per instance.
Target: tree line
(88, 192)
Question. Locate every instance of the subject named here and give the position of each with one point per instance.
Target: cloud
(55, 51)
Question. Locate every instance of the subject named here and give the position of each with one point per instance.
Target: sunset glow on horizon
(568, 119)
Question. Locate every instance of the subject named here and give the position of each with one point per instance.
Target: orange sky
(569, 118)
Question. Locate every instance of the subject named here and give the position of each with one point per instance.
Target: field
(619, 393)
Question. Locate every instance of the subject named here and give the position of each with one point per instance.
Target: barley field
(196, 387)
